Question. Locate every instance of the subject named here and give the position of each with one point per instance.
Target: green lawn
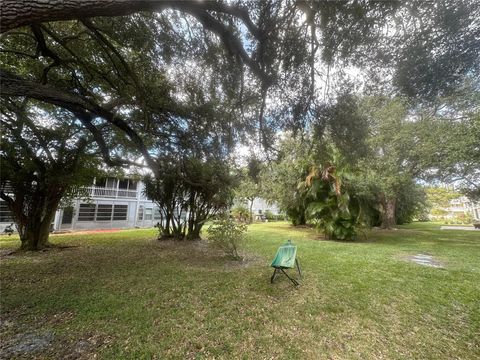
(125, 295)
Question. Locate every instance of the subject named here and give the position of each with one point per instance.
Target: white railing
(111, 193)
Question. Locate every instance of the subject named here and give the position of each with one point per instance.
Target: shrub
(464, 218)
(269, 215)
(241, 213)
(280, 217)
(227, 235)
(331, 208)
(274, 217)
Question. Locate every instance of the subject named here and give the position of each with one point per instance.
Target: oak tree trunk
(387, 212)
(251, 210)
(35, 230)
(194, 233)
(302, 219)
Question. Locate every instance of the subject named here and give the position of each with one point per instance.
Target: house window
(120, 212)
(101, 182)
(148, 213)
(156, 213)
(67, 215)
(140, 213)
(123, 184)
(126, 184)
(86, 212)
(104, 212)
(108, 183)
(132, 185)
(5, 213)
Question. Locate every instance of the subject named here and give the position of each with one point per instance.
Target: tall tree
(281, 178)
(189, 192)
(447, 133)
(388, 163)
(43, 159)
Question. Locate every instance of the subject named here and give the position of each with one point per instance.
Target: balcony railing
(111, 193)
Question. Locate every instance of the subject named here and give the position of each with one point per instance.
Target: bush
(241, 213)
(274, 217)
(227, 235)
(280, 217)
(269, 215)
(464, 219)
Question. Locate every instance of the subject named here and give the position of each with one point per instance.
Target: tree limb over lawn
(20, 13)
(85, 110)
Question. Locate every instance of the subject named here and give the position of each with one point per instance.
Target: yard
(125, 295)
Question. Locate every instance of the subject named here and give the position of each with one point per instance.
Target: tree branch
(15, 86)
(16, 13)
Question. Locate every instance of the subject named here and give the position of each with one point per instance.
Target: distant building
(112, 203)
(260, 207)
(462, 206)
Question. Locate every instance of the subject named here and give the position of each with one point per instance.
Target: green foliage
(332, 215)
(411, 203)
(280, 180)
(241, 213)
(269, 215)
(162, 83)
(459, 219)
(440, 197)
(246, 192)
(251, 184)
(296, 213)
(43, 161)
(189, 191)
(330, 206)
(447, 41)
(465, 218)
(344, 125)
(449, 144)
(227, 235)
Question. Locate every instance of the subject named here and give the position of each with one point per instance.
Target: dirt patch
(307, 226)
(425, 260)
(320, 238)
(26, 344)
(247, 261)
(47, 345)
(34, 256)
(199, 253)
(6, 252)
(26, 340)
(85, 348)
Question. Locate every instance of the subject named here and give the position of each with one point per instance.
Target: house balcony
(111, 193)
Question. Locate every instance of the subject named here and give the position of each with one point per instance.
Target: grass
(126, 296)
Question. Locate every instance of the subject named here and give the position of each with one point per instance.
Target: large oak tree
(146, 70)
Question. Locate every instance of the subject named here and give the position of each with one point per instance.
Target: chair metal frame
(281, 269)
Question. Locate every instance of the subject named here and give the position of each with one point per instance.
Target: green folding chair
(286, 258)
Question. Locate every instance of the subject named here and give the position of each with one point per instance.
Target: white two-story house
(111, 204)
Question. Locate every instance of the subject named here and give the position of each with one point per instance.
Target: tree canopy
(148, 80)
(266, 64)
(43, 159)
